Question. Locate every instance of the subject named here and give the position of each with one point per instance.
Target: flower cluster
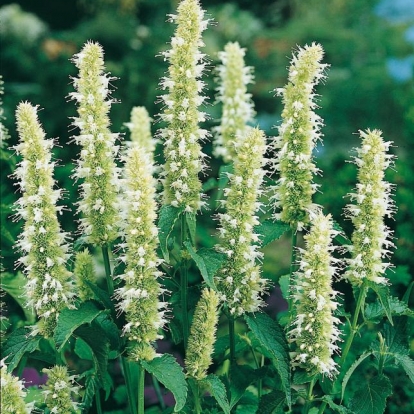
(298, 133)
(314, 329)
(238, 108)
(49, 287)
(140, 127)
(239, 280)
(139, 296)
(59, 389)
(183, 157)
(84, 272)
(96, 164)
(12, 393)
(202, 335)
(371, 237)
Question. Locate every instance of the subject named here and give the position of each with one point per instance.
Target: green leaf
(191, 220)
(351, 370)
(301, 377)
(341, 238)
(223, 179)
(247, 404)
(208, 261)
(370, 398)
(92, 386)
(111, 330)
(210, 184)
(19, 343)
(99, 344)
(383, 293)
(336, 407)
(70, 319)
(272, 339)
(167, 371)
(241, 377)
(14, 286)
(167, 218)
(101, 295)
(270, 230)
(407, 364)
(284, 282)
(217, 389)
(83, 350)
(272, 403)
(374, 312)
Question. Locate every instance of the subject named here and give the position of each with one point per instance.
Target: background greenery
(369, 45)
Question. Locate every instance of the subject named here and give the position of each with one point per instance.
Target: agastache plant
(140, 128)
(43, 244)
(298, 134)
(239, 280)
(314, 329)
(182, 151)
(84, 272)
(96, 164)
(139, 297)
(238, 109)
(371, 237)
(59, 390)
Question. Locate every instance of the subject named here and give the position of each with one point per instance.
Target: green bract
(139, 296)
(314, 329)
(238, 107)
(182, 151)
(298, 133)
(96, 164)
(239, 278)
(371, 237)
(49, 286)
(202, 335)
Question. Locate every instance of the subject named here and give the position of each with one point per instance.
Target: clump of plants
(139, 219)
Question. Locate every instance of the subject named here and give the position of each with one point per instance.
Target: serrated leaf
(101, 295)
(191, 220)
(14, 286)
(168, 216)
(284, 282)
(374, 312)
(111, 330)
(272, 339)
(167, 371)
(208, 261)
(217, 389)
(407, 364)
(383, 293)
(19, 343)
(92, 386)
(70, 319)
(336, 407)
(272, 403)
(370, 398)
(99, 344)
(83, 350)
(241, 377)
(351, 370)
(270, 230)
(301, 377)
(221, 345)
(247, 404)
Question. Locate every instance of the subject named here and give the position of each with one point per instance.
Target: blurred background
(369, 45)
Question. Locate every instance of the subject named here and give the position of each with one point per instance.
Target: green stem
(310, 397)
(322, 407)
(107, 265)
(260, 384)
(98, 402)
(292, 265)
(158, 392)
(350, 338)
(184, 280)
(141, 383)
(130, 392)
(232, 337)
(196, 393)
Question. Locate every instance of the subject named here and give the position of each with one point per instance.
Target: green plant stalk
(196, 394)
(98, 402)
(232, 338)
(141, 384)
(130, 392)
(310, 396)
(107, 265)
(184, 280)
(292, 266)
(158, 392)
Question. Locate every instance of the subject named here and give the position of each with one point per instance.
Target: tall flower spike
(314, 330)
(182, 151)
(239, 280)
(238, 109)
(202, 335)
(84, 272)
(96, 164)
(12, 393)
(139, 296)
(140, 127)
(371, 237)
(59, 389)
(49, 286)
(298, 133)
